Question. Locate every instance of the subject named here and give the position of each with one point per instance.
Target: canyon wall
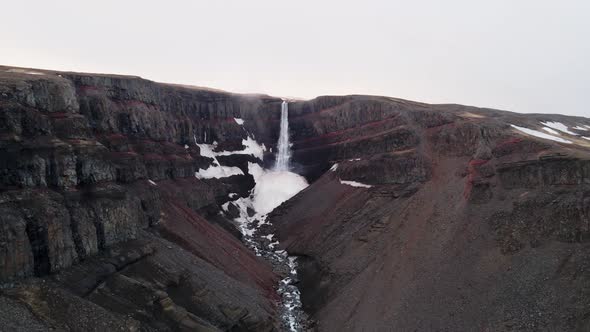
(418, 216)
(99, 201)
(462, 222)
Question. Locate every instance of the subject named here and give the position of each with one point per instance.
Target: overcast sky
(519, 55)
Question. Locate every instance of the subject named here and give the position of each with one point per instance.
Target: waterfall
(284, 150)
(272, 188)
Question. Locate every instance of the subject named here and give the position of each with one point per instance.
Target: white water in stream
(273, 187)
(292, 313)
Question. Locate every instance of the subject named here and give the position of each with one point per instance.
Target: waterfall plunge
(284, 148)
(278, 184)
(273, 187)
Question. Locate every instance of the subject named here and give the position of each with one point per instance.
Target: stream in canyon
(273, 187)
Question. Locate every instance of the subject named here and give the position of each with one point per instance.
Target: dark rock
(468, 225)
(88, 164)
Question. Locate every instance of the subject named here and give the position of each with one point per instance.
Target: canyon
(123, 202)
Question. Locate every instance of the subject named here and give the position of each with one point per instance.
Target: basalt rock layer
(100, 204)
(418, 217)
(468, 223)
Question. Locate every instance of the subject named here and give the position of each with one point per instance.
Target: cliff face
(418, 217)
(468, 223)
(98, 171)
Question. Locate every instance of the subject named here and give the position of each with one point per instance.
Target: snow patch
(355, 184)
(334, 167)
(186, 146)
(23, 71)
(251, 147)
(152, 183)
(585, 128)
(551, 131)
(540, 134)
(206, 150)
(355, 159)
(559, 126)
(239, 121)
(588, 138)
(217, 171)
(232, 195)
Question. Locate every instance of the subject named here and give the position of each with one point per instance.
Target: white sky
(519, 55)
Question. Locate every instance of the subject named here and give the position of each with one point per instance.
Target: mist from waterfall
(284, 148)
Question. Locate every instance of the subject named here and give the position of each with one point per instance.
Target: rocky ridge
(418, 216)
(100, 203)
(459, 220)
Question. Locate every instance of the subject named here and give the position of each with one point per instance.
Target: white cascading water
(273, 187)
(293, 315)
(284, 153)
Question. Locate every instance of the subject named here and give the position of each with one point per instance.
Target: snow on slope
(23, 71)
(540, 134)
(551, 131)
(251, 147)
(559, 126)
(355, 184)
(216, 170)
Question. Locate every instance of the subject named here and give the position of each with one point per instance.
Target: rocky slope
(100, 203)
(464, 223)
(418, 217)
